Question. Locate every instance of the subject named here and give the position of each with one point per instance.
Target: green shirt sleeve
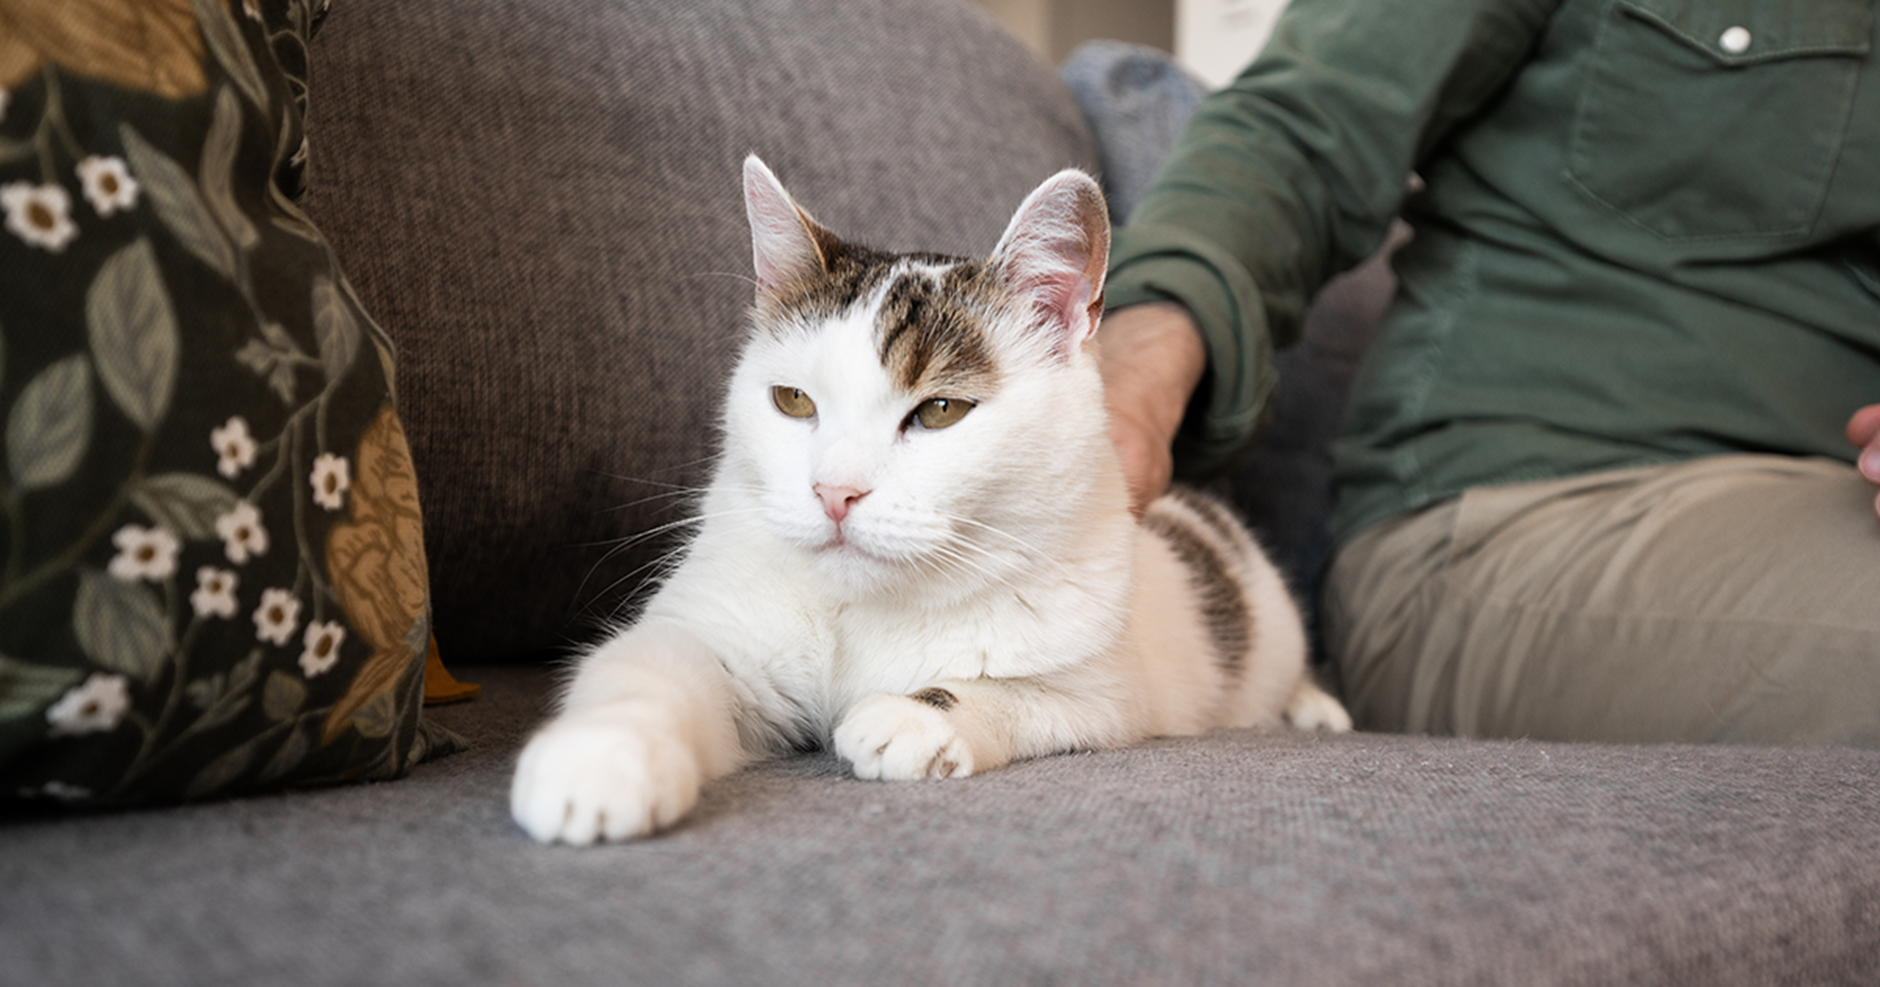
(1293, 174)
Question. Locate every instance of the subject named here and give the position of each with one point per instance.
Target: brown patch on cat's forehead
(929, 327)
(930, 330)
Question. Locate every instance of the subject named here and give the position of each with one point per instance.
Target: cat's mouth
(839, 543)
(842, 547)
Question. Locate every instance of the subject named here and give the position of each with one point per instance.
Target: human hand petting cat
(1152, 359)
(1863, 429)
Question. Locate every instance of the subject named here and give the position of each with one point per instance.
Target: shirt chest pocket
(1718, 119)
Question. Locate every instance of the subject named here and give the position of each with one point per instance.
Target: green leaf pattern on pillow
(186, 607)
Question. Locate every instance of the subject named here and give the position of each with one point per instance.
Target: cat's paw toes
(586, 779)
(895, 738)
(1312, 709)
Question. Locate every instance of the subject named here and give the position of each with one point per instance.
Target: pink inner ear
(782, 248)
(1065, 297)
(1055, 252)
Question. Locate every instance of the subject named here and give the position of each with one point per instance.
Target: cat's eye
(938, 413)
(793, 402)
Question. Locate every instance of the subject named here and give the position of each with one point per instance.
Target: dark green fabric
(211, 562)
(1635, 243)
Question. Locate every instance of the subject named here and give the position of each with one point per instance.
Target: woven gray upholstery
(1232, 859)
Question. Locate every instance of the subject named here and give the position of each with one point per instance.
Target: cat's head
(919, 423)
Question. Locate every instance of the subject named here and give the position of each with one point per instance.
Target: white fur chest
(1006, 632)
(804, 654)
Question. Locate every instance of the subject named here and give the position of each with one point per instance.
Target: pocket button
(1735, 40)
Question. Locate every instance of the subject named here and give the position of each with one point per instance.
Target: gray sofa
(538, 200)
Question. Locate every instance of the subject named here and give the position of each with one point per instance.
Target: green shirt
(1649, 231)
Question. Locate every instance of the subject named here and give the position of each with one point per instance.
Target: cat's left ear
(1055, 252)
(787, 246)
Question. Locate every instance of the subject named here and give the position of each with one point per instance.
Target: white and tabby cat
(917, 546)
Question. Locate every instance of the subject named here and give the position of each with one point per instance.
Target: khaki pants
(1731, 599)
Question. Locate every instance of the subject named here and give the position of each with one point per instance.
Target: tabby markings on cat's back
(1216, 589)
(1211, 512)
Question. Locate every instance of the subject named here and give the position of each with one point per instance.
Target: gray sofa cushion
(539, 201)
(1237, 858)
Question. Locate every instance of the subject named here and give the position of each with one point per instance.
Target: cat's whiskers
(734, 275)
(675, 493)
(962, 561)
(670, 489)
(643, 481)
(1031, 550)
(627, 542)
(944, 562)
(624, 542)
(660, 566)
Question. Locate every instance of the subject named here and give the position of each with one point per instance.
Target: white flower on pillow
(322, 652)
(143, 553)
(108, 184)
(95, 707)
(215, 593)
(58, 790)
(242, 533)
(277, 616)
(234, 447)
(39, 214)
(332, 475)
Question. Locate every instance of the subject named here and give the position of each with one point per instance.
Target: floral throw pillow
(212, 575)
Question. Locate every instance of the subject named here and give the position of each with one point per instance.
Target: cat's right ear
(1054, 254)
(787, 246)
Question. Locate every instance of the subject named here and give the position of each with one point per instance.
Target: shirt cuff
(1163, 263)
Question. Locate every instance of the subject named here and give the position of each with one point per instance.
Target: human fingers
(1863, 429)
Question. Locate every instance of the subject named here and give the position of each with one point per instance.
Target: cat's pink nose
(838, 501)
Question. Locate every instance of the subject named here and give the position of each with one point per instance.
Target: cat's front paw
(594, 777)
(895, 738)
